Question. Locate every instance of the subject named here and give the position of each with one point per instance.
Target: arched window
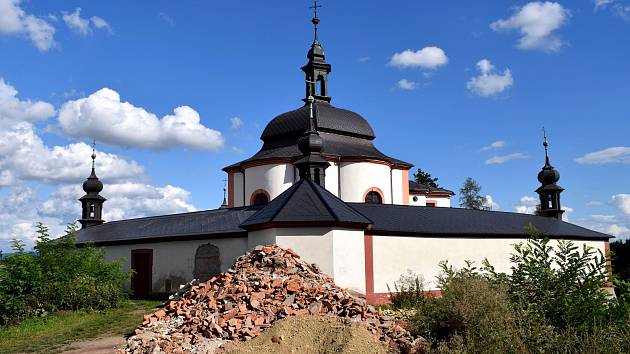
(373, 197)
(259, 197)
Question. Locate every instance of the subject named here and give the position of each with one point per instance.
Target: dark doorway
(207, 262)
(142, 278)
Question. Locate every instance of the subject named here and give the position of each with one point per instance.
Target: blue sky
(438, 81)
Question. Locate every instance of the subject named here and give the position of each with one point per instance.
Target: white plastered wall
(332, 179)
(274, 179)
(175, 260)
(395, 255)
(422, 200)
(358, 177)
(337, 252)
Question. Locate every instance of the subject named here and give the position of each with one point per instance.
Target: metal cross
(93, 152)
(315, 7)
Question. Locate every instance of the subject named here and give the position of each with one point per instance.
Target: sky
(174, 92)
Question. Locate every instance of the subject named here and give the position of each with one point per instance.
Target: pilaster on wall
(405, 187)
(231, 190)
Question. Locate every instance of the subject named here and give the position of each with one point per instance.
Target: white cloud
(622, 202)
(405, 84)
(618, 230)
(526, 205)
(77, 23)
(15, 21)
(537, 22)
(14, 110)
(100, 23)
(489, 83)
(604, 218)
(490, 204)
(364, 59)
(497, 160)
(102, 116)
(495, 145)
(25, 161)
(619, 154)
(602, 3)
(426, 58)
(83, 26)
(236, 122)
(166, 18)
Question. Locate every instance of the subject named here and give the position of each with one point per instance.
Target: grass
(52, 333)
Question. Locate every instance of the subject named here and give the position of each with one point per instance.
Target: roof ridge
(318, 190)
(283, 205)
(321, 198)
(184, 213)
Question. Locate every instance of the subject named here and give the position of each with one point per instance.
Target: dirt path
(105, 345)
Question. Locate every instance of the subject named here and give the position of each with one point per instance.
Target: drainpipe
(339, 177)
(391, 184)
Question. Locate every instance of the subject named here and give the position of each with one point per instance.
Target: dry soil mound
(311, 335)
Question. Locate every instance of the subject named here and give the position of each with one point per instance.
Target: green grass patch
(51, 333)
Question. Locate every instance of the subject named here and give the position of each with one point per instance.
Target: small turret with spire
(224, 205)
(549, 191)
(92, 201)
(312, 165)
(316, 69)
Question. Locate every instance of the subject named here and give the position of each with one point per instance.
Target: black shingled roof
(419, 187)
(433, 221)
(200, 224)
(306, 202)
(328, 118)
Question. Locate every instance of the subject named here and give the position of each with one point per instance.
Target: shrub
(57, 276)
(553, 301)
(408, 291)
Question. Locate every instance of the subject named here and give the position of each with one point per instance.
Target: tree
(470, 197)
(425, 178)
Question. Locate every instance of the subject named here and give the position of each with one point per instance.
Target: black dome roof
(329, 119)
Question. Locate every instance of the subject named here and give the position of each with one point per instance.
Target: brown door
(142, 266)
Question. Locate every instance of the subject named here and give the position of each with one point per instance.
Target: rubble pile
(263, 286)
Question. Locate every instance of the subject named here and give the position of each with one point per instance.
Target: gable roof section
(195, 225)
(306, 203)
(454, 222)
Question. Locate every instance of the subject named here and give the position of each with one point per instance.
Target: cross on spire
(546, 145)
(315, 20)
(93, 152)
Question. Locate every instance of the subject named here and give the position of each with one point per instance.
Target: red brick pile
(263, 286)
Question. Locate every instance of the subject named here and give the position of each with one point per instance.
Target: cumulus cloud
(495, 145)
(497, 160)
(490, 204)
(489, 83)
(236, 122)
(527, 205)
(15, 21)
(14, 110)
(537, 23)
(619, 154)
(25, 161)
(102, 116)
(405, 84)
(83, 26)
(426, 58)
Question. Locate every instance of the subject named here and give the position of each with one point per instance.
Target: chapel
(320, 186)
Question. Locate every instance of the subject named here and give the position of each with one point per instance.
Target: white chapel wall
(274, 179)
(337, 252)
(395, 255)
(175, 260)
(358, 177)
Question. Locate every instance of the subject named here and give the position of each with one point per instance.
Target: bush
(408, 291)
(553, 301)
(57, 276)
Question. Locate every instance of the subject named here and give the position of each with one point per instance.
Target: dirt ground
(311, 335)
(105, 345)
